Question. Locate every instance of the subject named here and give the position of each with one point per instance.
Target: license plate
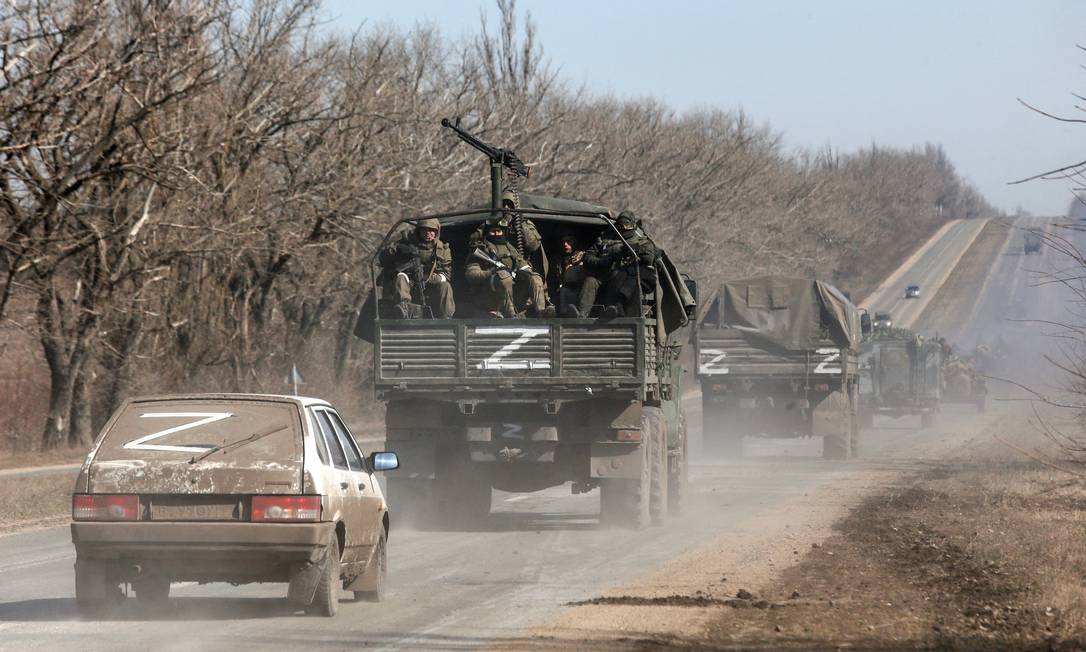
(190, 510)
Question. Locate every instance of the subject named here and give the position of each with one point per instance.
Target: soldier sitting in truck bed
(416, 252)
(504, 282)
(612, 268)
(567, 275)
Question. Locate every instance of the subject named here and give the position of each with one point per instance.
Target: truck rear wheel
(835, 446)
(927, 419)
(462, 490)
(654, 427)
(153, 591)
(867, 419)
(411, 500)
(678, 472)
(624, 502)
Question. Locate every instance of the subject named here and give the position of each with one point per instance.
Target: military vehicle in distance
(1032, 243)
(901, 374)
(777, 357)
(519, 405)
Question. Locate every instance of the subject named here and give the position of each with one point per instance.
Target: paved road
(929, 268)
(449, 590)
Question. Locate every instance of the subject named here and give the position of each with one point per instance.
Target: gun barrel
(487, 259)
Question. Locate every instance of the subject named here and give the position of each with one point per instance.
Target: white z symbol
(498, 359)
(832, 355)
(208, 417)
(710, 367)
(512, 431)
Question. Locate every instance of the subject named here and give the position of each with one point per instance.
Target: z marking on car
(208, 417)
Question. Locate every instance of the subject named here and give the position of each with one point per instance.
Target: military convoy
(1032, 243)
(901, 374)
(476, 403)
(777, 357)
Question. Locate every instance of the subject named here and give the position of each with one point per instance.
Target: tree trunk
(80, 421)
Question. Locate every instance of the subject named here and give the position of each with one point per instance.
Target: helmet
(430, 223)
(626, 221)
(510, 199)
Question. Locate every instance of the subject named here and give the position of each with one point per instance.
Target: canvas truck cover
(793, 313)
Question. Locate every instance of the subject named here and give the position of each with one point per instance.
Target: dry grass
(35, 501)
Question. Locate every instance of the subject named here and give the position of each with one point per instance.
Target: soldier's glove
(403, 249)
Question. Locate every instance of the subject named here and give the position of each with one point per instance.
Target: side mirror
(384, 461)
(865, 323)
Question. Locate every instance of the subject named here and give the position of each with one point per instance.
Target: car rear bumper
(236, 552)
(105, 539)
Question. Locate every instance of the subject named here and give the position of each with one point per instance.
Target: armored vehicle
(777, 357)
(521, 404)
(901, 374)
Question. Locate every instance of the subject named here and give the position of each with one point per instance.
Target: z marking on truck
(208, 417)
(499, 359)
(512, 431)
(832, 355)
(712, 362)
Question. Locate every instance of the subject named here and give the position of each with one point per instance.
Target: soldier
(414, 250)
(612, 267)
(567, 275)
(508, 284)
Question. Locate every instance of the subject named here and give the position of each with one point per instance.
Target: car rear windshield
(239, 432)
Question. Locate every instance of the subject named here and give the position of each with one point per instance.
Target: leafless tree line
(190, 190)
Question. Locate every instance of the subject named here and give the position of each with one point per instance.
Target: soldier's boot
(610, 312)
(401, 310)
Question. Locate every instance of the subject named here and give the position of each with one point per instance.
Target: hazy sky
(841, 72)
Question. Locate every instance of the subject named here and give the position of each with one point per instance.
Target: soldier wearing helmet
(400, 275)
(618, 266)
(506, 284)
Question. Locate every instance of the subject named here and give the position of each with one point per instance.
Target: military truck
(777, 357)
(901, 374)
(478, 403)
(1032, 243)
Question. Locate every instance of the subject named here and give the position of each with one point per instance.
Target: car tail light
(720, 387)
(105, 507)
(822, 387)
(628, 435)
(286, 508)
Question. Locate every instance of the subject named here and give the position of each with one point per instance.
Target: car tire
(95, 595)
(380, 558)
(326, 601)
(152, 591)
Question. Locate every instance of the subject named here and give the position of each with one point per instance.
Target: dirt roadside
(975, 550)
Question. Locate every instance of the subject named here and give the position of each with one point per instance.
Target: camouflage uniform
(398, 270)
(612, 267)
(507, 290)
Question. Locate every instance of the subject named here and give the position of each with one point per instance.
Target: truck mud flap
(615, 460)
